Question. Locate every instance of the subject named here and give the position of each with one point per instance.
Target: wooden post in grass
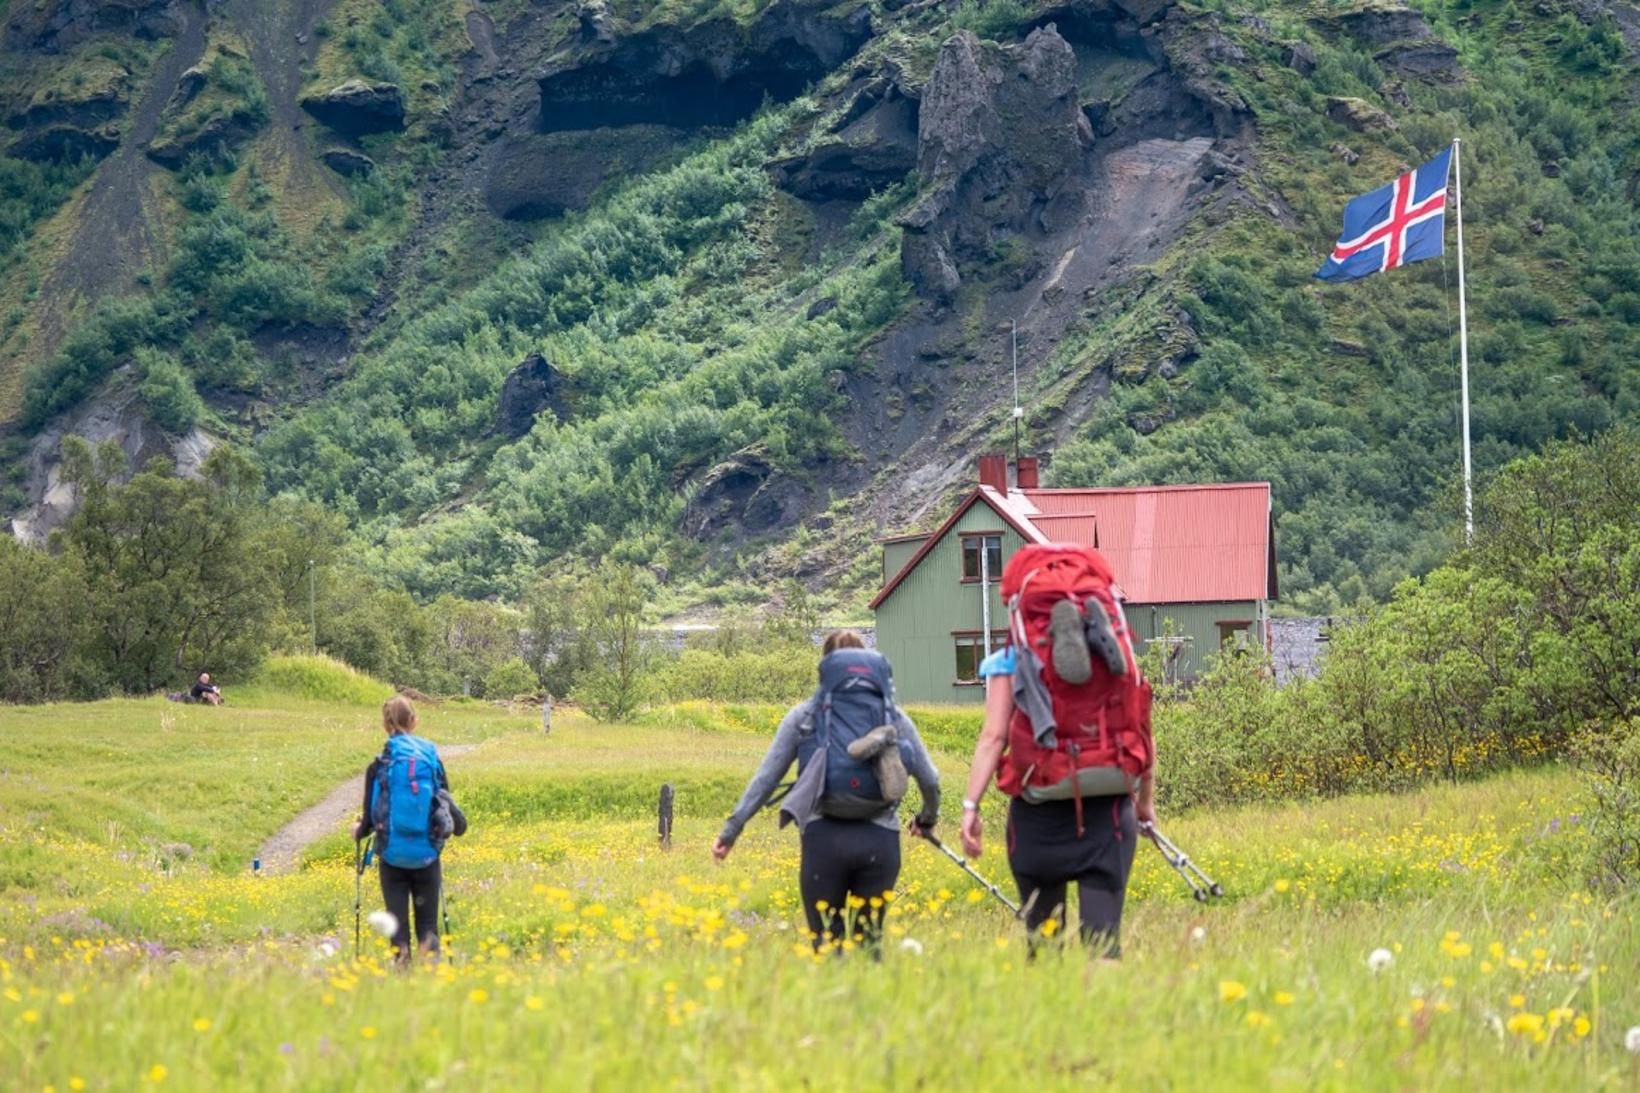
(666, 816)
(546, 715)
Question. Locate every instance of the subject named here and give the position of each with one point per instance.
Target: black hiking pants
(846, 865)
(1046, 855)
(404, 888)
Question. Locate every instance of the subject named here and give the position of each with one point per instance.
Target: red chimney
(1028, 478)
(993, 472)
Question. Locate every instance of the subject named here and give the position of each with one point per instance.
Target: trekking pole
(1201, 885)
(962, 863)
(358, 896)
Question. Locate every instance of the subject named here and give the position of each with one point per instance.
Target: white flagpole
(1463, 353)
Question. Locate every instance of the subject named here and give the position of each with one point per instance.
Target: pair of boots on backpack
(881, 746)
(1076, 636)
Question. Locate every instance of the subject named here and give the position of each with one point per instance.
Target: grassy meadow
(583, 956)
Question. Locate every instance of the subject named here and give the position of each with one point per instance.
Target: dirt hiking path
(283, 850)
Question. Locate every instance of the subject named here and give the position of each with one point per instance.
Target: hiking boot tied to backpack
(1081, 722)
(881, 747)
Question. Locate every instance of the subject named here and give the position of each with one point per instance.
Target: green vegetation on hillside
(675, 310)
(1345, 397)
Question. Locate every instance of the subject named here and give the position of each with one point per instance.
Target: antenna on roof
(1013, 330)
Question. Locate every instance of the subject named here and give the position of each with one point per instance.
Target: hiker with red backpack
(1067, 736)
(407, 804)
(854, 750)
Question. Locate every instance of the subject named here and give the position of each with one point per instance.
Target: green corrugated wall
(915, 624)
(895, 555)
(1197, 621)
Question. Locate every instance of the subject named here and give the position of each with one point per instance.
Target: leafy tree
(43, 614)
(172, 566)
(610, 605)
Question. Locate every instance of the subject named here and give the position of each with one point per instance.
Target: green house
(1196, 566)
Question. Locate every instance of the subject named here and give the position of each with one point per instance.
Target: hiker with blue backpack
(407, 804)
(854, 749)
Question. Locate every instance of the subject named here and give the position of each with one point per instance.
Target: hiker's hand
(720, 849)
(358, 830)
(920, 829)
(971, 833)
(1144, 809)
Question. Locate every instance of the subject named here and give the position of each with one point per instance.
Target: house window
(971, 546)
(1233, 634)
(971, 650)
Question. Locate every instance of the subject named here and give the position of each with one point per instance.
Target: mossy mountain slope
(752, 268)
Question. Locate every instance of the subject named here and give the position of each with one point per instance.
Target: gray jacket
(783, 752)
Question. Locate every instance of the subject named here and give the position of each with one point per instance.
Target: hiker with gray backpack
(856, 753)
(408, 806)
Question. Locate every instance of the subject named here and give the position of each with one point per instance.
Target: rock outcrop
(67, 118)
(716, 72)
(1358, 114)
(346, 162)
(356, 107)
(533, 387)
(872, 145)
(64, 143)
(59, 26)
(1401, 40)
(1002, 148)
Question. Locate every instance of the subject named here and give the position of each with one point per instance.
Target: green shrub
(168, 391)
(322, 678)
(1610, 760)
(509, 678)
(778, 675)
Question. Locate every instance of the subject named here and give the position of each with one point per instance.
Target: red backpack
(1102, 742)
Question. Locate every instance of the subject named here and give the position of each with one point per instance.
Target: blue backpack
(856, 694)
(402, 801)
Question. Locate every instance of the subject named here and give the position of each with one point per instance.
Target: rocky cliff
(282, 203)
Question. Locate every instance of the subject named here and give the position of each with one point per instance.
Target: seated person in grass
(205, 691)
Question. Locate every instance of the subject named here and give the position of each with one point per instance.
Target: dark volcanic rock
(1385, 23)
(357, 107)
(713, 73)
(345, 161)
(60, 26)
(531, 176)
(219, 132)
(1002, 150)
(1431, 59)
(741, 494)
(1300, 58)
(64, 143)
(530, 388)
(875, 148)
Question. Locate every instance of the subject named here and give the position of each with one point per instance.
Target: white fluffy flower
(1380, 959)
(384, 923)
(1199, 934)
(912, 946)
(1631, 1040)
(325, 950)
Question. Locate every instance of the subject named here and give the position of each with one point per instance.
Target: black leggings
(843, 858)
(1046, 854)
(401, 887)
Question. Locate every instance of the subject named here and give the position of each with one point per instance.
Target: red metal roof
(1174, 544)
(1167, 544)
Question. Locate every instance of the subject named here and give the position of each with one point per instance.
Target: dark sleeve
(369, 781)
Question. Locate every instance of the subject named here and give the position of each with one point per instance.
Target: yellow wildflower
(1231, 991)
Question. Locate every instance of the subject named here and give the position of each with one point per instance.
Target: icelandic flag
(1395, 224)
